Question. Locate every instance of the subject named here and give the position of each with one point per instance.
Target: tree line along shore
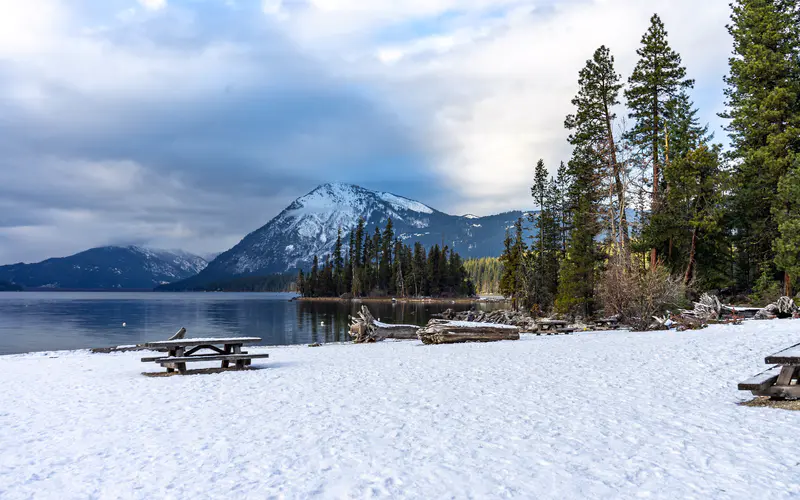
(649, 209)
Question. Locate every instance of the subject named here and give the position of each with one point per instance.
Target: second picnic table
(182, 351)
(776, 382)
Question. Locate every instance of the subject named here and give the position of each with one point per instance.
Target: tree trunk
(787, 284)
(690, 267)
(620, 186)
(654, 208)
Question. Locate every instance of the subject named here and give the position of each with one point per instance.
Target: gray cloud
(203, 125)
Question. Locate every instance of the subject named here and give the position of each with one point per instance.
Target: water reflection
(37, 321)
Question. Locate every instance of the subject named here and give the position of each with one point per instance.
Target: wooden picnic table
(609, 323)
(780, 381)
(182, 351)
(553, 326)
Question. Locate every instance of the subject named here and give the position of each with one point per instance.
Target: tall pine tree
(763, 106)
(657, 80)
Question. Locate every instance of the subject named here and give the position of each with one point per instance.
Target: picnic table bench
(182, 351)
(780, 381)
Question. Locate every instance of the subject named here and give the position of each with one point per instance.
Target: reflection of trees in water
(77, 322)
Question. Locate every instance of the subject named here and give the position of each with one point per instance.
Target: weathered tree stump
(454, 332)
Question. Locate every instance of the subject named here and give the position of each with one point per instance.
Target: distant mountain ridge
(111, 267)
(309, 226)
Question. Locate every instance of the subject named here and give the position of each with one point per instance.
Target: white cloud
(483, 86)
(272, 7)
(153, 4)
(490, 92)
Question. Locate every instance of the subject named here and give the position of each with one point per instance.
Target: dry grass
(763, 402)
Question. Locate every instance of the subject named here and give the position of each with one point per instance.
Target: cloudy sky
(189, 123)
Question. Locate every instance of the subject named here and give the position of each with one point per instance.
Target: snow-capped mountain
(107, 267)
(310, 224)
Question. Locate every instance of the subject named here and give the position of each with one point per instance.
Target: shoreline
(409, 300)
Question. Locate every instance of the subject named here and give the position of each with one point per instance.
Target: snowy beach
(592, 415)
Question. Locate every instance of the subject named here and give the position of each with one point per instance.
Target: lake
(48, 321)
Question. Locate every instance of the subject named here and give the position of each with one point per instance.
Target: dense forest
(379, 264)
(705, 218)
(485, 275)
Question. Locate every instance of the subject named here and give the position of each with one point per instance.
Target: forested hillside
(485, 275)
(706, 219)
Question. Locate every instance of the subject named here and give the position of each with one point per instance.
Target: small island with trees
(381, 265)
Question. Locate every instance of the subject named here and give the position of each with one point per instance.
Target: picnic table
(780, 381)
(182, 351)
(607, 323)
(553, 326)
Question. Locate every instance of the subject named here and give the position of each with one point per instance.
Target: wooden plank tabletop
(200, 341)
(789, 356)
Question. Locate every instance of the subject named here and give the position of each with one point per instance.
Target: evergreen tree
(763, 106)
(585, 169)
(506, 284)
(357, 260)
(418, 269)
(385, 267)
(433, 285)
(399, 270)
(313, 285)
(338, 264)
(591, 128)
(669, 230)
(301, 283)
(694, 205)
(787, 246)
(546, 245)
(562, 188)
(514, 282)
(657, 80)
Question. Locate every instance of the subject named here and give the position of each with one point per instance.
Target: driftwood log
(525, 322)
(784, 307)
(365, 328)
(710, 309)
(454, 332)
(180, 334)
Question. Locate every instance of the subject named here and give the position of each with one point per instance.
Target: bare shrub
(636, 295)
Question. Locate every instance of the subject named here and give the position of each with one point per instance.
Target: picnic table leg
(237, 349)
(786, 375)
(181, 366)
(171, 354)
(225, 362)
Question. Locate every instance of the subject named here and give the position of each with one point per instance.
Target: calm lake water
(44, 321)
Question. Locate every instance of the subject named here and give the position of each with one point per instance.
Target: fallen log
(784, 307)
(454, 332)
(365, 328)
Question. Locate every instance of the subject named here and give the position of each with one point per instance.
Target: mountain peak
(344, 196)
(312, 223)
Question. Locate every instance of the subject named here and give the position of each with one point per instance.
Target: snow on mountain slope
(107, 267)
(309, 227)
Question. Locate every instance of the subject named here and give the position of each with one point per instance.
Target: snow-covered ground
(596, 415)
